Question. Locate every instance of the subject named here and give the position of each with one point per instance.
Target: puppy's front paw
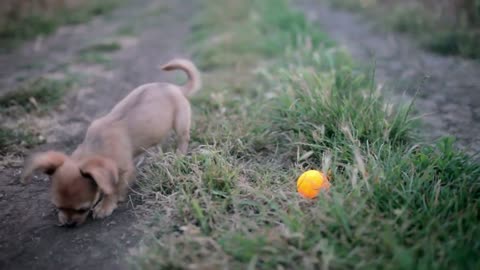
(25, 178)
(103, 210)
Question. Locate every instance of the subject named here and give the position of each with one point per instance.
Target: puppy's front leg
(126, 178)
(105, 207)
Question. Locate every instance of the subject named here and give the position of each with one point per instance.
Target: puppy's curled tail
(194, 79)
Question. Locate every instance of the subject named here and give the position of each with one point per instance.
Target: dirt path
(29, 238)
(450, 92)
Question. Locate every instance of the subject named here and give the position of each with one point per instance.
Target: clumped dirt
(29, 238)
(447, 88)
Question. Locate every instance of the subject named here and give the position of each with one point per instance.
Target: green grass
(98, 53)
(126, 30)
(158, 10)
(252, 39)
(12, 139)
(14, 31)
(268, 113)
(103, 48)
(94, 58)
(432, 30)
(36, 95)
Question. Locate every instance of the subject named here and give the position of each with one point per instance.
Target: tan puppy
(97, 174)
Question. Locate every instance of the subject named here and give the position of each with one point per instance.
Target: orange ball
(311, 182)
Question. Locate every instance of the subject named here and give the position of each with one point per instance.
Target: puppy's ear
(103, 171)
(48, 162)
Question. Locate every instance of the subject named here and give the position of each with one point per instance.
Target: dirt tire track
(29, 238)
(449, 96)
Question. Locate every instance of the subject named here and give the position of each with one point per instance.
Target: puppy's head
(76, 186)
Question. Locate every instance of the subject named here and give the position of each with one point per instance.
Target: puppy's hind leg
(182, 141)
(182, 129)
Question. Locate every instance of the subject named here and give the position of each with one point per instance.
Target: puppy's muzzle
(70, 224)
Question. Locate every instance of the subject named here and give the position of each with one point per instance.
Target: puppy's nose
(71, 224)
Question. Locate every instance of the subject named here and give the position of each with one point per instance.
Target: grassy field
(39, 94)
(447, 27)
(34, 97)
(23, 20)
(281, 98)
(13, 139)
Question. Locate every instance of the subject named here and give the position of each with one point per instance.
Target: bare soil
(29, 237)
(447, 89)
